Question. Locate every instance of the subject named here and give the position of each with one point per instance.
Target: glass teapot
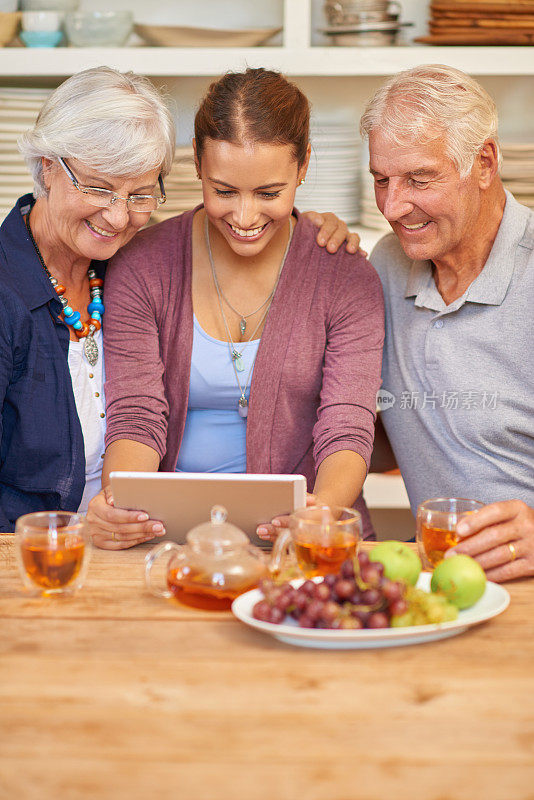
(217, 564)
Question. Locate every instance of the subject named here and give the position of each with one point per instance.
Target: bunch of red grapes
(358, 596)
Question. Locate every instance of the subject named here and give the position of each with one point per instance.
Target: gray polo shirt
(457, 394)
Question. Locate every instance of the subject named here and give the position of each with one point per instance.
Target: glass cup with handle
(320, 538)
(52, 550)
(436, 526)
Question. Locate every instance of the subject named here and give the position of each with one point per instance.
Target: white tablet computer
(182, 500)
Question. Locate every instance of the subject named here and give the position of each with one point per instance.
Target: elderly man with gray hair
(458, 276)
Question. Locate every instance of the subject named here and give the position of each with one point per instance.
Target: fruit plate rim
(494, 601)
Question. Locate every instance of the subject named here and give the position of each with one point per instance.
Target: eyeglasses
(103, 198)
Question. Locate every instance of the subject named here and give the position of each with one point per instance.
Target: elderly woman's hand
(116, 528)
(501, 538)
(333, 232)
(270, 531)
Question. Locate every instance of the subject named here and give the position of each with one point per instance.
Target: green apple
(401, 563)
(461, 579)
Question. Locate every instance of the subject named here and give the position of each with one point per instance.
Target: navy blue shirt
(42, 457)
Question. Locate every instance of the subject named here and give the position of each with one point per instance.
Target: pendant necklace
(236, 356)
(243, 317)
(83, 330)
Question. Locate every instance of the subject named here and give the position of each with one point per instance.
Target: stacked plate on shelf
(18, 111)
(332, 182)
(482, 22)
(517, 171)
(370, 216)
(182, 186)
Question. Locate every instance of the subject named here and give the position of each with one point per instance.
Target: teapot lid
(218, 534)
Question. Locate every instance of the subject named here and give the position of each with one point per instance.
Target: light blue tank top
(215, 435)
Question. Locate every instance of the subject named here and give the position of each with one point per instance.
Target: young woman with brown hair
(233, 341)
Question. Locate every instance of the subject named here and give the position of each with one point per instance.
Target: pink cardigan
(317, 370)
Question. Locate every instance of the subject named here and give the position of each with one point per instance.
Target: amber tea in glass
(436, 526)
(321, 537)
(216, 564)
(193, 588)
(52, 551)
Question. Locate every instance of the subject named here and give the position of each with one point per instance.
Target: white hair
(429, 101)
(114, 122)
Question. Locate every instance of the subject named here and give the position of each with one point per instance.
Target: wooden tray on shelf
(477, 37)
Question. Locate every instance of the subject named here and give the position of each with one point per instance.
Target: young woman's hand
(269, 531)
(116, 528)
(333, 232)
(501, 538)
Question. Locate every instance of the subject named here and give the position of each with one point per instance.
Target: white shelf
(303, 61)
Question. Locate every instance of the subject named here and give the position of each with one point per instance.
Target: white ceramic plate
(494, 601)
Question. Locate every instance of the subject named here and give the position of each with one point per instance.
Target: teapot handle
(279, 549)
(160, 549)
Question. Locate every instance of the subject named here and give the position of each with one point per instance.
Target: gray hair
(431, 100)
(114, 122)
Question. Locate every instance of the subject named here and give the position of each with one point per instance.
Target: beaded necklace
(83, 330)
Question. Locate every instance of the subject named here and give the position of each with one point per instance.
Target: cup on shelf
(41, 38)
(42, 21)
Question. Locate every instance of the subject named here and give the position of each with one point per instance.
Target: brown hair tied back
(256, 106)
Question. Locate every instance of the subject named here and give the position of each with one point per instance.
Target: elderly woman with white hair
(99, 151)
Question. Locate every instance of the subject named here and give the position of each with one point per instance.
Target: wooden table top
(116, 694)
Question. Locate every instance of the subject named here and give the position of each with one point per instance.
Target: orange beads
(84, 330)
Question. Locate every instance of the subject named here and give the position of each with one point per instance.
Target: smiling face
(249, 191)
(82, 229)
(434, 212)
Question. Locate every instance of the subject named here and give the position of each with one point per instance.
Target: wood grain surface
(116, 694)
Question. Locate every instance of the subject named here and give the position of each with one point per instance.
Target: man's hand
(501, 539)
(333, 232)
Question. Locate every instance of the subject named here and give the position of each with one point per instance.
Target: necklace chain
(236, 356)
(242, 317)
(83, 330)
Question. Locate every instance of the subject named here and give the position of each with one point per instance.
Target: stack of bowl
(42, 21)
(363, 23)
(98, 28)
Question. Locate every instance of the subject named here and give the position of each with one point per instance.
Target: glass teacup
(436, 526)
(321, 538)
(52, 550)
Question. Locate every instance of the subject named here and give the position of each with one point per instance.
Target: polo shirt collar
(491, 285)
